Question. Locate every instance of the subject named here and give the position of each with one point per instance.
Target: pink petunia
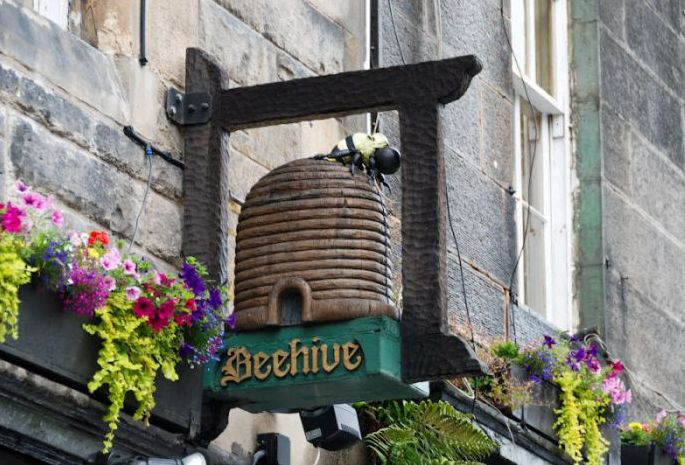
(111, 259)
(660, 416)
(110, 282)
(35, 201)
(57, 219)
(132, 293)
(129, 267)
(21, 187)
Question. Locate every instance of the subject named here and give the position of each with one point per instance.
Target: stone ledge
(521, 441)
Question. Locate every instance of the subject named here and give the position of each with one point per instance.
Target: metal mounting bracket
(190, 108)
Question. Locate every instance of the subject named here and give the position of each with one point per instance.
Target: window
(542, 156)
(55, 10)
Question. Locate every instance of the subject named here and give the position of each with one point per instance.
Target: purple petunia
(192, 279)
(549, 341)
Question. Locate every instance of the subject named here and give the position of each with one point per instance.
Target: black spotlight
(334, 427)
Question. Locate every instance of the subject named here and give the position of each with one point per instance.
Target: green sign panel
(298, 367)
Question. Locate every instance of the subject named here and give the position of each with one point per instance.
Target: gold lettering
(294, 353)
(237, 357)
(351, 349)
(279, 357)
(328, 367)
(315, 355)
(259, 359)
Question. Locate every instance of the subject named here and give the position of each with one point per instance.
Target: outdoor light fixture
(272, 449)
(192, 459)
(334, 427)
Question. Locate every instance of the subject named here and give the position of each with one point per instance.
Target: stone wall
(479, 154)
(65, 96)
(642, 53)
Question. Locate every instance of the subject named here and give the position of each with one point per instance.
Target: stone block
(485, 300)
(172, 27)
(497, 146)
(283, 23)
(270, 146)
(477, 28)
(90, 186)
(67, 120)
(62, 58)
(616, 149)
(671, 11)
(416, 45)
(530, 325)
(462, 124)
(350, 15)
(3, 118)
(639, 250)
(658, 188)
(483, 218)
(243, 174)
(320, 136)
(639, 98)
(242, 53)
(656, 45)
(646, 336)
(161, 224)
(612, 14)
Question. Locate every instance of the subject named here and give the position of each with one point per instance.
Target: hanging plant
(147, 321)
(426, 432)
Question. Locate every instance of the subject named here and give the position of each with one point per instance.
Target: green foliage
(636, 435)
(507, 350)
(130, 358)
(14, 272)
(425, 433)
(580, 416)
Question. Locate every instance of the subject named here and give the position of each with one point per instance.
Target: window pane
(530, 143)
(534, 263)
(544, 74)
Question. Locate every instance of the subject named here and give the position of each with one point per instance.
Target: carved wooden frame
(417, 91)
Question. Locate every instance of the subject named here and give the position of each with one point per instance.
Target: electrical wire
(260, 454)
(526, 221)
(148, 156)
(438, 8)
(318, 456)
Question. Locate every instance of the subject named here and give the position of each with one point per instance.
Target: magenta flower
(35, 201)
(12, 219)
(132, 293)
(57, 219)
(129, 267)
(156, 278)
(144, 307)
(88, 291)
(166, 310)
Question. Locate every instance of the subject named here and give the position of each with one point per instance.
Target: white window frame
(56, 11)
(553, 152)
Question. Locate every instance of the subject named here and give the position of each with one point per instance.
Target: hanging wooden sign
(299, 367)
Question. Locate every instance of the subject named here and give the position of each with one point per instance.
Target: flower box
(644, 455)
(53, 344)
(539, 416)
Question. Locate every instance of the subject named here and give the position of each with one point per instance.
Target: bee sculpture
(368, 152)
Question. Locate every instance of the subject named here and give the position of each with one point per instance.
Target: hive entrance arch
(416, 91)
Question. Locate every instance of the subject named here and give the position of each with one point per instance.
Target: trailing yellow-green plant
(14, 272)
(426, 432)
(130, 357)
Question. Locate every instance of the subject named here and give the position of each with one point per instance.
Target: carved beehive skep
(312, 228)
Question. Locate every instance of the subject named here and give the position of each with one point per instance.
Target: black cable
(397, 38)
(526, 222)
(138, 139)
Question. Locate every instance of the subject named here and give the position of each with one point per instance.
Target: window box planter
(53, 344)
(644, 455)
(539, 417)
